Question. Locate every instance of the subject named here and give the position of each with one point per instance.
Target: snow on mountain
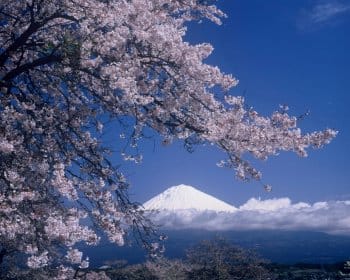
(183, 197)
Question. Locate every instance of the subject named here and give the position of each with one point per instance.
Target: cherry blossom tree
(67, 65)
(219, 259)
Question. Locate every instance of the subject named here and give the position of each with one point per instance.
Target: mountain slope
(183, 197)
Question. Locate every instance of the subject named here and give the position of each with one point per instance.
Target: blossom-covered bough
(67, 65)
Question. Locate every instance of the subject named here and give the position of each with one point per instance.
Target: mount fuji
(281, 230)
(184, 197)
(185, 207)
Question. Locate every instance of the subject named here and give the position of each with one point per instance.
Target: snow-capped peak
(183, 197)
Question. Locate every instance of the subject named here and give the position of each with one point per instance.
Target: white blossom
(38, 261)
(6, 147)
(85, 263)
(74, 256)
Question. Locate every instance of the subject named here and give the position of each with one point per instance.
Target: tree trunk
(3, 253)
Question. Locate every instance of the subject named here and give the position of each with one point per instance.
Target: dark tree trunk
(3, 253)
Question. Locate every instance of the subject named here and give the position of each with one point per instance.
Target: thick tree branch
(31, 65)
(33, 27)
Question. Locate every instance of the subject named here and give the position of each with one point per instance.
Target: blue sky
(283, 52)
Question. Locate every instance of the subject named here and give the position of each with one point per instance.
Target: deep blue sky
(283, 52)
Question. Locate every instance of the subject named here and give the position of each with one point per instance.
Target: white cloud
(275, 204)
(323, 12)
(278, 213)
(327, 10)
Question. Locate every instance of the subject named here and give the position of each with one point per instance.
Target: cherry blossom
(68, 65)
(38, 261)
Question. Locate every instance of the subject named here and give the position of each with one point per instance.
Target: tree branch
(31, 65)
(33, 27)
